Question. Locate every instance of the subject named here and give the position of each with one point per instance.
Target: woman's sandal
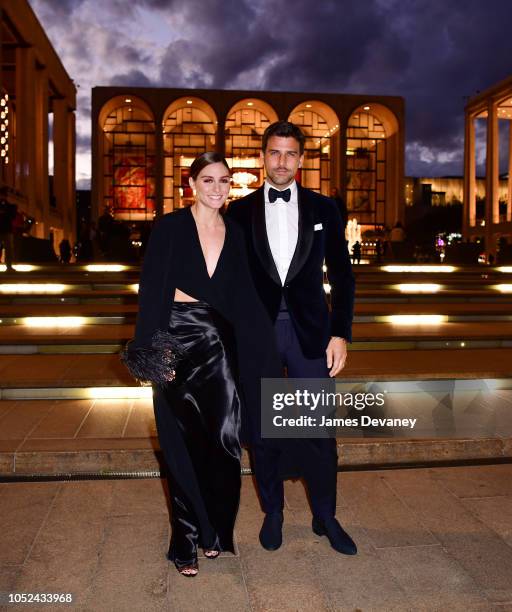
(211, 554)
(189, 570)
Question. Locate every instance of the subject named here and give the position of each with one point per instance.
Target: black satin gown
(198, 422)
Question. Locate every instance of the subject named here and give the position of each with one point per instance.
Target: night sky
(434, 53)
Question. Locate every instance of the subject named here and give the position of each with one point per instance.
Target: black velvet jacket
(174, 259)
(320, 238)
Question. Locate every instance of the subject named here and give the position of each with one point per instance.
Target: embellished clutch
(155, 364)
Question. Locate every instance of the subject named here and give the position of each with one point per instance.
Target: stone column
(159, 169)
(64, 165)
(41, 141)
(60, 156)
(492, 176)
(469, 198)
(342, 156)
(70, 226)
(509, 198)
(220, 134)
(26, 129)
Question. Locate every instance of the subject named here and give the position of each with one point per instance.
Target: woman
(197, 304)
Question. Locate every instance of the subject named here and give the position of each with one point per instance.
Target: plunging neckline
(196, 232)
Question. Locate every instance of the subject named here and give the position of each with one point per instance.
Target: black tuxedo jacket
(320, 238)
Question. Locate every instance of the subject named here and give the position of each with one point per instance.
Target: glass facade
(366, 169)
(129, 163)
(316, 169)
(147, 141)
(243, 131)
(188, 131)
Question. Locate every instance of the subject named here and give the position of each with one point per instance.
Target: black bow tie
(273, 194)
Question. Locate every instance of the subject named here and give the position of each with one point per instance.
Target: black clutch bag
(155, 364)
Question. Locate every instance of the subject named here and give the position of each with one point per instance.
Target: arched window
(129, 160)
(189, 128)
(366, 167)
(246, 122)
(320, 124)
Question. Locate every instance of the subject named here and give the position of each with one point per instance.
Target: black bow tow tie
(274, 194)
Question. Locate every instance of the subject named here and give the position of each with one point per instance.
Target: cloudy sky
(434, 53)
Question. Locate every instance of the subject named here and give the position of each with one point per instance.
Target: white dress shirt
(282, 221)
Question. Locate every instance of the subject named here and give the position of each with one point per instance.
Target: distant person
(378, 251)
(342, 207)
(106, 224)
(84, 239)
(356, 252)
(397, 233)
(65, 251)
(7, 215)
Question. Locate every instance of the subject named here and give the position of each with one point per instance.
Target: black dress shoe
(337, 536)
(271, 536)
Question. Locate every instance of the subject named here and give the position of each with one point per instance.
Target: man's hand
(336, 352)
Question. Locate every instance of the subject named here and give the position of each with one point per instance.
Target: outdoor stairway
(68, 405)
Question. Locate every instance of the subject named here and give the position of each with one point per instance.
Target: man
(290, 231)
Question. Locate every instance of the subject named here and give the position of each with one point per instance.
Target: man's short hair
(286, 129)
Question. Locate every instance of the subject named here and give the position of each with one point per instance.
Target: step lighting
(504, 288)
(32, 288)
(418, 287)
(418, 268)
(19, 268)
(54, 321)
(421, 319)
(105, 268)
(118, 392)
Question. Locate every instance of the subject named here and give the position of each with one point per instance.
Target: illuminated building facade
(144, 139)
(494, 108)
(37, 142)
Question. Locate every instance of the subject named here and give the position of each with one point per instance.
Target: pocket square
(318, 226)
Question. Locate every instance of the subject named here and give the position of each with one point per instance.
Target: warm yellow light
(250, 103)
(134, 287)
(118, 392)
(105, 268)
(308, 105)
(366, 108)
(507, 269)
(504, 288)
(128, 100)
(418, 319)
(189, 101)
(327, 288)
(418, 268)
(32, 288)
(54, 321)
(418, 287)
(19, 267)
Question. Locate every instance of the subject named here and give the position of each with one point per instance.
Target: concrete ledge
(100, 456)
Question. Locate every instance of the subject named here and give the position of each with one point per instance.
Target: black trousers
(315, 459)
(198, 423)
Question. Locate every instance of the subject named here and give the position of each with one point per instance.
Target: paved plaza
(429, 539)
